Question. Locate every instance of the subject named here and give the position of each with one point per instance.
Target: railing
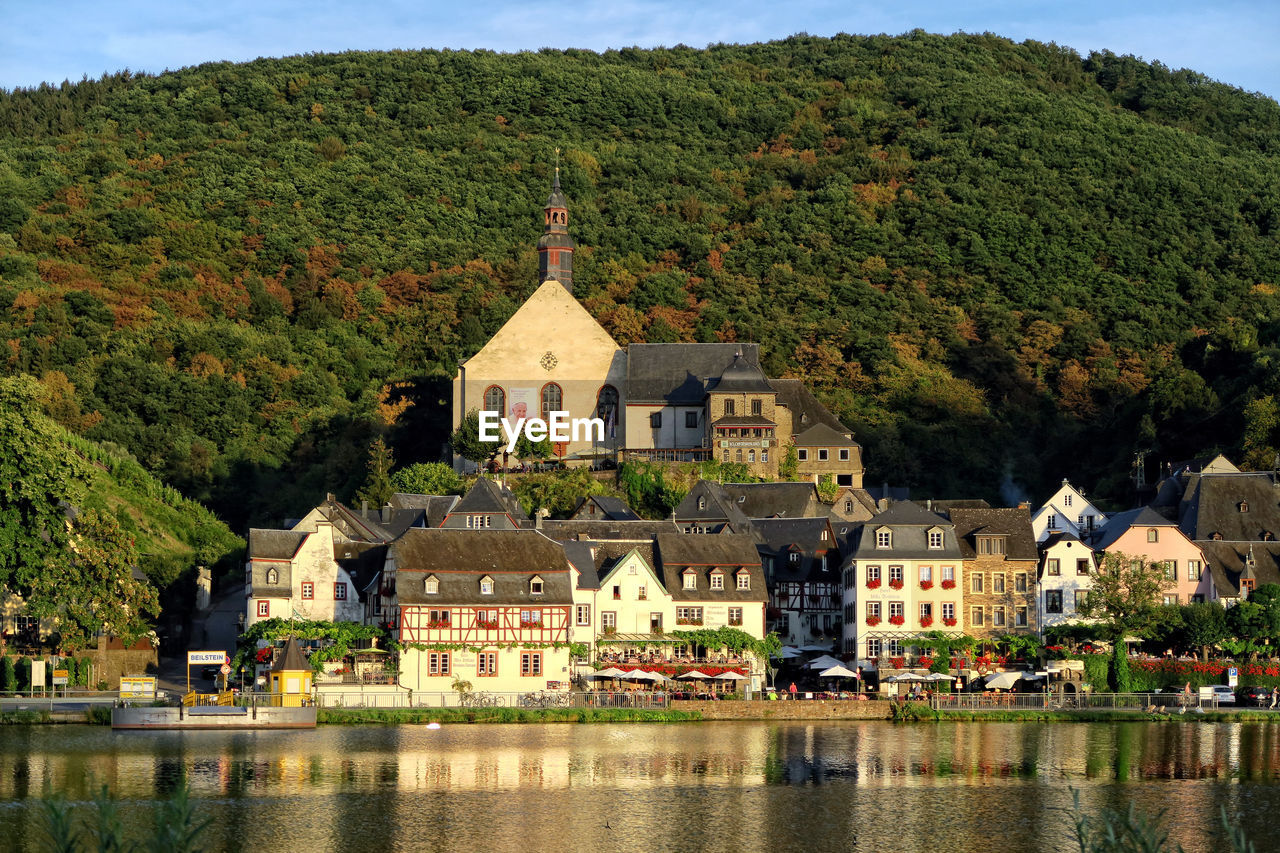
(492, 699)
(1137, 702)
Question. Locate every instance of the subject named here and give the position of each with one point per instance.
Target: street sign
(197, 658)
(60, 677)
(226, 669)
(137, 687)
(1233, 677)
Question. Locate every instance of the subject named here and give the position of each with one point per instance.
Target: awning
(1003, 680)
(838, 672)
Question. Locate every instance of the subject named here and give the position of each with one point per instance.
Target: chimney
(330, 497)
(1024, 505)
(386, 514)
(364, 509)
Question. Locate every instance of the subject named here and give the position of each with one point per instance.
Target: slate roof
(292, 659)
(679, 374)
(780, 537)
(607, 508)
(719, 506)
(910, 525)
(488, 496)
(805, 409)
(459, 558)
(744, 421)
(741, 377)
(570, 529)
(1119, 524)
(821, 435)
(275, 544)
(1227, 563)
(677, 552)
(436, 507)
(1211, 505)
(1013, 524)
(363, 561)
(769, 500)
(353, 525)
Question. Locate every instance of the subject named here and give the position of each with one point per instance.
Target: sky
(1233, 41)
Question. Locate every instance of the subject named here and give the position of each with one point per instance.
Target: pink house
(1145, 533)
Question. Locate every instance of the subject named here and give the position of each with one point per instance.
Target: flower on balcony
(895, 584)
(437, 623)
(897, 663)
(609, 629)
(925, 662)
(926, 621)
(873, 583)
(873, 620)
(1002, 660)
(688, 620)
(926, 584)
(896, 620)
(487, 624)
(950, 622)
(264, 654)
(948, 584)
(529, 624)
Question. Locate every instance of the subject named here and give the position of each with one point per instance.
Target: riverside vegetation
(989, 259)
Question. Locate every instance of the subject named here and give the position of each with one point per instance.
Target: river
(864, 786)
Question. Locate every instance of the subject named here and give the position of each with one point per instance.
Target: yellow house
(291, 677)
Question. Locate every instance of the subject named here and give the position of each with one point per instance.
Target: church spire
(555, 247)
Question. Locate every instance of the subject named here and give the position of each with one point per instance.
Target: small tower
(555, 247)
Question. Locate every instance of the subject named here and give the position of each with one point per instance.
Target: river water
(863, 786)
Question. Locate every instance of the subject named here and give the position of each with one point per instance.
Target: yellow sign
(60, 677)
(137, 687)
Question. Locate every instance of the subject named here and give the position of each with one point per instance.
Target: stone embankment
(801, 709)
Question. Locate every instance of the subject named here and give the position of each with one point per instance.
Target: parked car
(211, 673)
(1257, 696)
(1224, 694)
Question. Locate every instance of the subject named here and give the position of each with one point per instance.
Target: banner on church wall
(523, 403)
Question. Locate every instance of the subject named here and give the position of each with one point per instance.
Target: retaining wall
(802, 709)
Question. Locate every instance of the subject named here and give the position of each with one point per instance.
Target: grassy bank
(23, 718)
(920, 712)
(360, 716)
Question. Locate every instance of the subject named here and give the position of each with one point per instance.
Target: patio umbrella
(940, 676)
(824, 662)
(730, 675)
(611, 672)
(906, 676)
(1003, 680)
(790, 652)
(693, 673)
(838, 672)
(643, 675)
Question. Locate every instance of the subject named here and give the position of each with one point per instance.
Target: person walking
(792, 690)
(1275, 696)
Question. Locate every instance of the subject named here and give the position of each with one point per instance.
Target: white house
(1067, 511)
(1067, 569)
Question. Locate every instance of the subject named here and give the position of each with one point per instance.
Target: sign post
(37, 676)
(206, 659)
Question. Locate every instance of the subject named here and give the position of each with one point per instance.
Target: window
(655, 420)
(1053, 567)
(751, 456)
(990, 544)
(1019, 617)
(530, 618)
(535, 586)
(495, 400)
(744, 580)
(844, 454)
(948, 573)
(895, 574)
(1082, 596)
(884, 538)
(264, 609)
(873, 648)
(822, 454)
(431, 586)
(1171, 599)
(582, 614)
(757, 407)
(802, 454)
(739, 454)
(975, 617)
(531, 663)
(1020, 582)
(1247, 586)
(339, 592)
(717, 580)
(608, 621)
(486, 620)
(997, 582)
(735, 616)
(896, 610)
(1082, 567)
(1153, 535)
(1170, 570)
(764, 456)
(997, 617)
(1197, 599)
(873, 610)
(975, 582)
(794, 557)
(690, 580)
(487, 664)
(617, 592)
(437, 663)
(926, 611)
(688, 615)
(895, 647)
(1066, 500)
(486, 585)
(948, 610)
(552, 399)
(273, 577)
(848, 505)
(935, 539)
(1195, 570)
(642, 593)
(702, 502)
(607, 406)
(308, 590)
(926, 574)
(690, 420)
(437, 618)
(873, 573)
(729, 408)
(1053, 601)
(1052, 521)
(1243, 506)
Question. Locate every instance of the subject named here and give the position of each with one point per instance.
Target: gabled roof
(606, 509)
(704, 554)
(275, 544)
(573, 528)
(362, 561)
(775, 500)
(459, 558)
(292, 660)
(779, 534)
(436, 507)
(679, 374)
(910, 525)
(718, 505)
(1014, 524)
(487, 496)
(1211, 504)
(806, 410)
(821, 435)
(1121, 522)
(1227, 564)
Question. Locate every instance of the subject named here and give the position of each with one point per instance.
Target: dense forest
(1000, 264)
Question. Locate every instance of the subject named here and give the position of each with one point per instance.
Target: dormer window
(824, 535)
(990, 545)
(848, 505)
(744, 579)
(884, 538)
(273, 577)
(935, 539)
(702, 503)
(1247, 586)
(486, 585)
(431, 586)
(690, 579)
(1243, 506)
(1266, 536)
(742, 499)
(794, 556)
(535, 586)
(717, 579)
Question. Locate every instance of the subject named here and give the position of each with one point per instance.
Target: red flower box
(926, 621)
(926, 662)
(896, 620)
(873, 583)
(948, 584)
(897, 663)
(873, 620)
(895, 584)
(926, 584)
(950, 623)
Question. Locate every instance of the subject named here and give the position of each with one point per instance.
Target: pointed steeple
(555, 247)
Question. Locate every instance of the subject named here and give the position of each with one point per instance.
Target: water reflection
(730, 786)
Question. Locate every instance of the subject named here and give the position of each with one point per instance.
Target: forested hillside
(988, 258)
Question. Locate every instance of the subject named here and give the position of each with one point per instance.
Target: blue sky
(1234, 41)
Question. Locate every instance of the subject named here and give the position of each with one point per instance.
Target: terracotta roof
(1013, 524)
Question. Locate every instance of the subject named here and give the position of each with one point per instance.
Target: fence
(1136, 702)
(532, 699)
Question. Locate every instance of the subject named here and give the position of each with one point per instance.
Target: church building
(682, 402)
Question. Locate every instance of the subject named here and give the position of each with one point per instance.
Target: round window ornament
(549, 360)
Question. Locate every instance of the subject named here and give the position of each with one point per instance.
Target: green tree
(9, 677)
(428, 478)
(789, 465)
(377, 487)
(1204, 626)
(465, 441)
(1126, 593)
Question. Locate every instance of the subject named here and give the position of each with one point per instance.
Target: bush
(9, 676)
(1096, 671)
(911, 712)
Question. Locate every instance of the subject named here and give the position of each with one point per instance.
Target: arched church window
(495, 400)
(551, 399)
(607, 405)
